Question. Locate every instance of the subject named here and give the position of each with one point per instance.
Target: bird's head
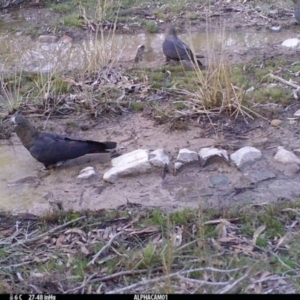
(170, 30)
(20, 122)
(17, 120)
(24, 130)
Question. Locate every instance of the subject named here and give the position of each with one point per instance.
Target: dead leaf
(60, 240)
(222, 230)
(216, 244)
(135, 220)
(283, 240)
(228, 239)
(77, 231)
(149, 229)
(294, 224)
(84, 250)
(257, 232)
(247, 250)
(218, 221)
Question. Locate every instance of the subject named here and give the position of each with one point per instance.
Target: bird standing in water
(176, 49)
(297, 10)
(50, 148)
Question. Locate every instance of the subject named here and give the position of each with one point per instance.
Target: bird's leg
(44, 168)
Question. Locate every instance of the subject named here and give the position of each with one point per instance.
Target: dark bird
(176, 49)
(50, 148)
(297, 10)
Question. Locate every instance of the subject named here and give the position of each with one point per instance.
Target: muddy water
(18, 52)
(18, 174)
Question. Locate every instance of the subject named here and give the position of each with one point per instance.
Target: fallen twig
(201, 282)
(126, 273)
(25, 241)
(104, 248)
(162, 278)
(84, 283)
(289, 83)
(229, 287)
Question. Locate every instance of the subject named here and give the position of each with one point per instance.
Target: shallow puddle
(18, 173)
(18, 52)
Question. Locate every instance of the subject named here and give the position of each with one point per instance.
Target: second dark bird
(297, 10)
(175, 49)
(50, 148)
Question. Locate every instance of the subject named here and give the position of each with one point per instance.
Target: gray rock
(218, 180)
(159, 158)
(185, 156)
(245, 155)
(286, 157)
(132, 163)
(259, 175)
(211, 152)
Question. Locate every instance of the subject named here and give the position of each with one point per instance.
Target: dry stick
(31, 285)
(201, 282)
(124, 273)
(23, 242)
(275, 278)
(161, 278)
(294, 85)
(17, 265)
(274, 254)
(104, 248)
(232, 285)
(84, 283)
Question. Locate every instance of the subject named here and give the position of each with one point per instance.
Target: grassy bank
(251, 249)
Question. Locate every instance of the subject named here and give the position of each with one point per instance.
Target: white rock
(186, 156)
(47, 38)
(159, 158)
(251, 89)
(206, 153)
(297, 113)
(244, 155)
(275, 28)
(291, 43)
(178, 165)
(86, 173)
(286, 157)
(135, 162)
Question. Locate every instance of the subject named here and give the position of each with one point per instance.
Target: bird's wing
(51, 148)
(175, 48)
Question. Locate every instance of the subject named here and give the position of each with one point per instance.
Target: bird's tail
(110, 145)
(195, 59)
(100, 147)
